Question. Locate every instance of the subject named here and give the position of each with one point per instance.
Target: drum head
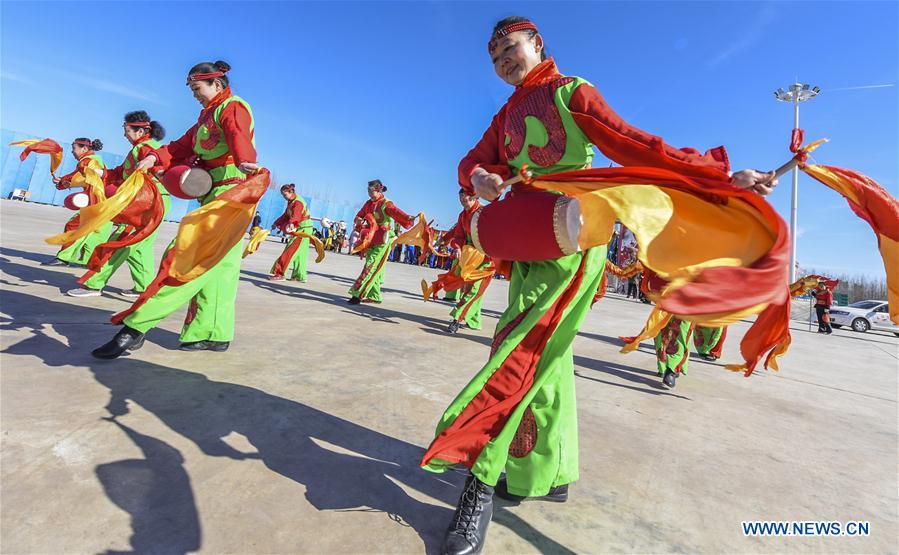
(196, 182)
(567, 222)
(80, 200)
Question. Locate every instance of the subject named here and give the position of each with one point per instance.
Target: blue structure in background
(34, 175)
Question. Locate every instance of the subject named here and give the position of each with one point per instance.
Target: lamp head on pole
(797, 92)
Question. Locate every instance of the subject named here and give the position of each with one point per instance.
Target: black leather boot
(353, 300)
(669, 379)
(468, 530)
(126, 340)
(453, 327)
(558, 494)
(217, 346)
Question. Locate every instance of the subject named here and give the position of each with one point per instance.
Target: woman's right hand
(146, 163)
(488, 186)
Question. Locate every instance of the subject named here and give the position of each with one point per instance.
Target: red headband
(138, 124)
(204, 76)
(83, 143)
(510, 28)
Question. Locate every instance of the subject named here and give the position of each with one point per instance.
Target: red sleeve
(489, 154)
(455, 237)
(281, 221)
(236, 124)
(362, 211)
(177, 152)
(404, 219)
(114, 176)
(629, 146)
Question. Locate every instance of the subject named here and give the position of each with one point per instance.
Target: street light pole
(795, 93)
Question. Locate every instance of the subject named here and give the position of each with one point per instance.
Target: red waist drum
(77, 201)
(187, 182)
(528, 227)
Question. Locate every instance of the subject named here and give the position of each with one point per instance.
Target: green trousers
(296, 268)
(81, 250)
(139, 257)
(537, 444)
(673, 347)
(368, 284)
(468, 307)
(212, 297)
(452, 295)
(707, 340)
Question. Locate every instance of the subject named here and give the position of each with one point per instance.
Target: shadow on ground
(370, 471)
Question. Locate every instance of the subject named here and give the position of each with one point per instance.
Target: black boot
(353, 300)
(126, 340)
(468, 530)
(558, 494)
(669, 379)
(217, 346)
(453, 327)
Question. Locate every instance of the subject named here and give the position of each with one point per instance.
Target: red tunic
(458, 235)
(615, 138)
(824, 298)
(373, 207)
(235, 121)
(294, 214)
(116, 176)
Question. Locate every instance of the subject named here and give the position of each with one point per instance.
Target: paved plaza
(305, 436)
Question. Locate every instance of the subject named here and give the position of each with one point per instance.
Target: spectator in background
(632, 288)
(823, 300)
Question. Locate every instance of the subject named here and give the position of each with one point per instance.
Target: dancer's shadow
(156, 492)
(342, 465)
(27, 255)
(62, 279)
(628, 373)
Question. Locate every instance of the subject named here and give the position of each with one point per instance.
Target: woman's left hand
(248, 167)
(760, 182)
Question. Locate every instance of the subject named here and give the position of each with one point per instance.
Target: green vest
(578, 148)
(132, 159)
(205, 134)
(384, 219)
(95, 157)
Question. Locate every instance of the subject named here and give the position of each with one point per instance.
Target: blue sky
(346, 92)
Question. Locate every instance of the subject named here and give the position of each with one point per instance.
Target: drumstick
(518, 178)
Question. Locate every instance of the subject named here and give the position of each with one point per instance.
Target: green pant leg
(470, 305)
(705, 338)
(673, 347)
(553, 460)
(299, 260)
(368, 284)
(548, 405)
(141, 261)
(452, 295)
(168, 300)
(91, 241)
(98, 281)
(215, 302)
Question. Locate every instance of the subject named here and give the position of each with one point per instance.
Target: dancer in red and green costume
(709, 342)
(673, 350)
(381, 214)
(144, 135)
(500, 421)
(467, 311)
(295, 218)
(79, 252)
(222, 141)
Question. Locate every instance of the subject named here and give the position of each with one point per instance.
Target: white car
(863, 316)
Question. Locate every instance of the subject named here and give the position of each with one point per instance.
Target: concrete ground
(305, 436)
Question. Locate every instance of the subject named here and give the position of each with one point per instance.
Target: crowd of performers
(514, 425)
